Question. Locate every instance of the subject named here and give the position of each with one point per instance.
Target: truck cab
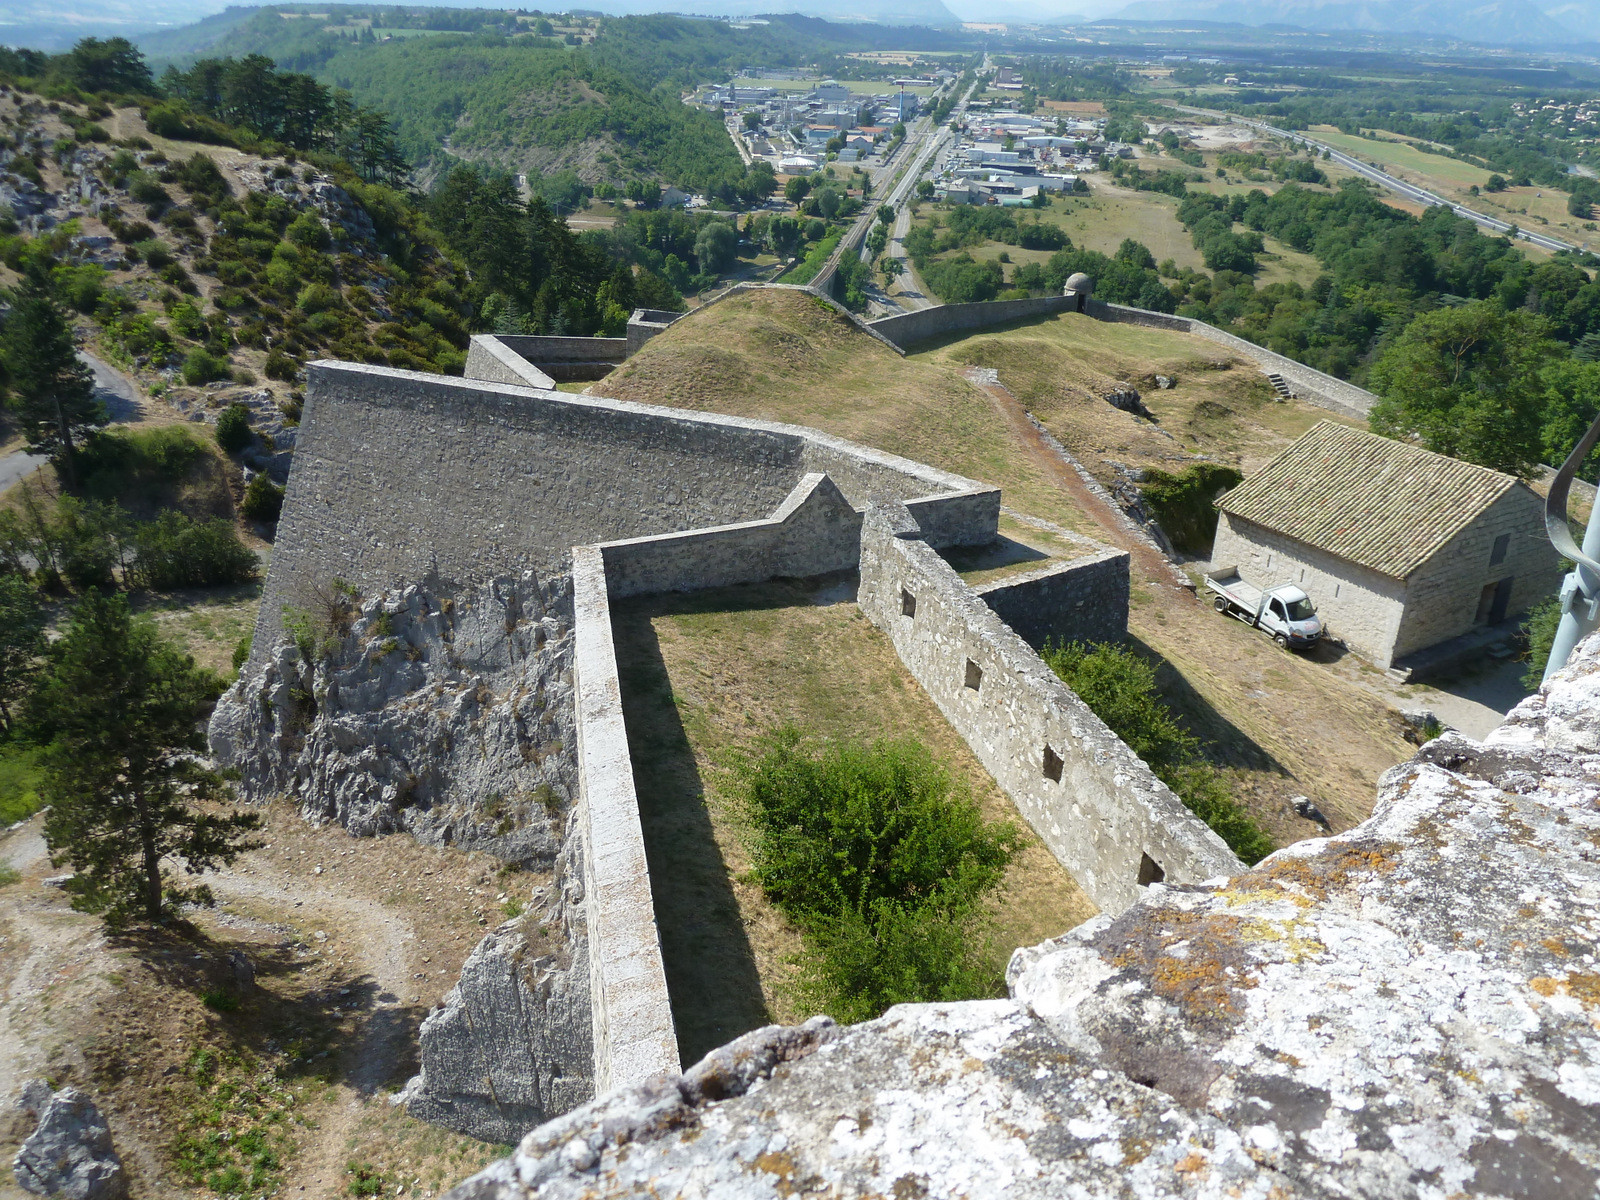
(1283, 611)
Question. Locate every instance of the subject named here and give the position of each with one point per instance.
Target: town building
(1400, 549)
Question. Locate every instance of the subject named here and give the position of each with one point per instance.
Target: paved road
(111, 387)
(1408, 191)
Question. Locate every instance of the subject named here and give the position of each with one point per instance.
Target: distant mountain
(1492, 22)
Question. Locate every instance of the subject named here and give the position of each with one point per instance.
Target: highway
(1400, 187)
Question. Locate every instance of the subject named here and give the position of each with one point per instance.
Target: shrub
(201, 366)
(233, 428)
(1540, 631)
(882, 862)
(1121, 690)
(1185, 503)
(308, 232)
(263, 499)
(175, 551)
(187, 321)
(281, 366)
(317, 297)
(123, 460)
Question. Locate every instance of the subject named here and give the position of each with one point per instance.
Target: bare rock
(1409, 1009)
(446, 716)
(70, 1153)
(513, 1045)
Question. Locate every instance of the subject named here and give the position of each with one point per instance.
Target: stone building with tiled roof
(1399, 548)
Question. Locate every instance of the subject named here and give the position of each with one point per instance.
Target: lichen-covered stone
(69, 1154)
(449, 717)
(1407, 1010)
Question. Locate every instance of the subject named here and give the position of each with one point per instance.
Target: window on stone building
(1501, 545)
(1052, 765)
(974, 675)
(908, 604)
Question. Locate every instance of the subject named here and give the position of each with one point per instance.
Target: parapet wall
(1084, 600)
(634, 1036)
(1308, 383)
(1098, 808)
(907, 329)
(402, 477)
(489, 359)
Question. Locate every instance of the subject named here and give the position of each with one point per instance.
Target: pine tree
(122, 709)
(52, 390)
(21, 643)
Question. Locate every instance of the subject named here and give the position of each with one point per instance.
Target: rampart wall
(1083, 600)
(403, 477)
(1308, 383)
(491, 360)
(907, 329)
(1098, 808)
(634, 1036)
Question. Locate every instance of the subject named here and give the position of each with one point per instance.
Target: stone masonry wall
(404, 477)
(1098, 808)
(1308, 383)
(1083, 600)
(1442, 595)
(633, 1032)
(490, 360)
(1406, 1011)
(907, 329)
(1359, 606)
(814, 532)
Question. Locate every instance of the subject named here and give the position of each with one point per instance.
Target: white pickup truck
(1282, 611)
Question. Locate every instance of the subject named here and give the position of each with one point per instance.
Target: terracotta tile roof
(1369, 499)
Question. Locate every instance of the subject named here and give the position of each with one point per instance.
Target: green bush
(307, 231)
(233, 428)
(175, 551)
(187, 321)
(154, 252)
(263, 499)
(201, 366)
(882, 862)
(122, 460)
(1121, 690)
(280, 366)
(1540, 630)
(317, 297)
(20, 773)
(1184, 504)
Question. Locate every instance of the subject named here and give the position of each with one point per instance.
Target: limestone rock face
(70, 1153)
(513, 1044)
(449, 717)
(1409, 1009)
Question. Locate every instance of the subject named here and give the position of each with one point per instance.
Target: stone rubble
(1409, 1009)
(70, 1153)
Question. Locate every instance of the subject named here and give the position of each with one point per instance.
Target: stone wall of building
(1358, 605)
(1099, 810)
(633, 1032)
(1443, 596)
(1404, 1011)
(1084, 600)
(907, 329)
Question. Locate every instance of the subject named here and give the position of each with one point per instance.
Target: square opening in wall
(908, 604)
(1150, 871)
(1052, 765)
(974, 675)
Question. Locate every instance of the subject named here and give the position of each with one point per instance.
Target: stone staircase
(1279, 385)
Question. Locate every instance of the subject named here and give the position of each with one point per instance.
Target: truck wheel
(1220, 604)
(1282, 639)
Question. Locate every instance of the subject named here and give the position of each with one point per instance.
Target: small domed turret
(1079, 284)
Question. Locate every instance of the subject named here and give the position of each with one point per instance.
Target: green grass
(806, 269)
(20, 774)
(1407, 156)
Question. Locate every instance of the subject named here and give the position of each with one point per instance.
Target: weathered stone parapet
(633, 1034)
(1098, 808)
(1084, 599)
(1407, 1010)
(909, 328)
(490, 360)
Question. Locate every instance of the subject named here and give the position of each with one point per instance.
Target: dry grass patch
(704, 677)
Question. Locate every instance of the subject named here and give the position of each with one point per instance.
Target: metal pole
(1580, 591)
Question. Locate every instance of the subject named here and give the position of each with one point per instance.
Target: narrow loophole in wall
(1150, 871)
(908, 604)
(974, 675)
(1052, 765)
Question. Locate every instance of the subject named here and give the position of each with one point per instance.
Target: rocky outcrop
(1409, 1009)
(70, 1153)
(513, 1045)
(447, 716)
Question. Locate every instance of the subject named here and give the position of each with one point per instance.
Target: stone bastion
(434, 653)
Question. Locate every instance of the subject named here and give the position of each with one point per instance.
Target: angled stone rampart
(1098, 808)
(1085, 600)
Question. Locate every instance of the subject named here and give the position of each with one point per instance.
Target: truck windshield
(1301, 610)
